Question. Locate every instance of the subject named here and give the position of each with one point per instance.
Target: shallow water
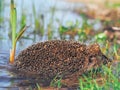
(5, 74)
(8, 79)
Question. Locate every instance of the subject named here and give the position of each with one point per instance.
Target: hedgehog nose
(105, 59)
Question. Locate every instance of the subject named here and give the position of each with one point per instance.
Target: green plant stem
(13, 20)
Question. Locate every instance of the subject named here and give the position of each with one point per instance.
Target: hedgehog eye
(91, 59)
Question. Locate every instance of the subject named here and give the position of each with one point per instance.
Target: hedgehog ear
(94, 48)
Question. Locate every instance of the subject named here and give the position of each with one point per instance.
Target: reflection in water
(5, 75)
(8, 81)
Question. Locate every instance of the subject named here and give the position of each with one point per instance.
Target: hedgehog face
(96, 57)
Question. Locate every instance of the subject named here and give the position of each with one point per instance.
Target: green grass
(1, 10)
(108, 79)
(112, 5)
(56, 82)
(115, 48)
(13, 19)
(15, 35)
(38, 21)
(38, 87)
(74, 30)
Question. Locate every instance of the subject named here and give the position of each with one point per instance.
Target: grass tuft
(106, 80)
(15, 36)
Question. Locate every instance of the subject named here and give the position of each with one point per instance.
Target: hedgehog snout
(106, 60)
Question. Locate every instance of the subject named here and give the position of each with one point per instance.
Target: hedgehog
(61, 58)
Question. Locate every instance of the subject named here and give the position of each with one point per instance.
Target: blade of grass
(12, 52)
(13, 20)
(23, 29)
(81, 84)
(15, 37)
(38, 86)
(115, 47)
